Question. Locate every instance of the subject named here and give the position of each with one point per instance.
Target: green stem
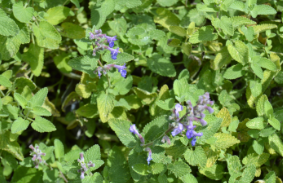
(2, 93)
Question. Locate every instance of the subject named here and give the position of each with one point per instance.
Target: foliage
(141, 91)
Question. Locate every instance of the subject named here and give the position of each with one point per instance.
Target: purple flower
(121, 69)
(110, 40)
(134, 130)
(178, 129)
(191, 133)
(149, 157)
(178, 108)
(82, 175)
(114, 52)
(91, 36)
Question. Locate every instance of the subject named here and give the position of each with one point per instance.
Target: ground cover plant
(128, 91)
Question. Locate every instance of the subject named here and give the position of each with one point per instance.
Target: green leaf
(31, 175)
(268, 109)
(167, 3)
(257, 70)
(239, 52)
(42, 125)
(57, 14)
(123, 85)
(88, 111)
(22, 13)
(11, 110)
(179, 168)
(189, 178)
(119, 171)
(61, 62)
(35, 58)
(262, 10)
(86, 64)
(37, 110)
(234, 72)
(5, 82)
(98, 16)
(141, 169)
(161, 66)
(72, 31)
(46, 35)
(21, 100)
(225, 24)
(167, 104)
(270, 177)
(121, 128)
(158, 125)
(222, 58)
(213, 125)
(203, 34)
(76, 3)
(21, 82)
(59, 149)
(224, 141)
(135, 158)
(276, 143)
(8, 27)
(239, 20)
(119, 26)
(234, 165)
(93, 155)
(166, 18)
(275, 123)
(255, 87)
(248, 174)
(263, 27)
(214, 172)
(11, 147)
(157, 168)
(196, 157)
(256, 123)
(177, 30)
(122, 58)
(238, 5)
(19, 125)
(39, 97)
(258, 146)
(105, 104)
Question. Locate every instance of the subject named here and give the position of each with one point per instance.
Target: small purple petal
(193, 142)
(210, 110)
(114, 52)
(134, 130)
(110, 40)
(149, 157)
(177, 129)
(91, 36)
(82, 175)
(203, 122)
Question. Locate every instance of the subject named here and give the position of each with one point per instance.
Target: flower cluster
(194, 113)
(84, 167)
(37, 154)
(135, 131)
(105, 68)
(100, 40)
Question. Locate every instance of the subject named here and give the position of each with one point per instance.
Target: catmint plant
(83, 166)
(99, 43)
(37, 154)
(194, 113)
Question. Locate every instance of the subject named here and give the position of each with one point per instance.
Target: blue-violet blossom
(84, 167)
(191, 133)
(149, 157)
(134, 130)
(114, 52)
(178, 129)
(121, 69)
(37, 155)
(110, 40)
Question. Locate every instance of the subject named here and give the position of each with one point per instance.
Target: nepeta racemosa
(84, 167)
(99, 43)
(37, 154)
(194, 113)
(104, 69)
(135, 131)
